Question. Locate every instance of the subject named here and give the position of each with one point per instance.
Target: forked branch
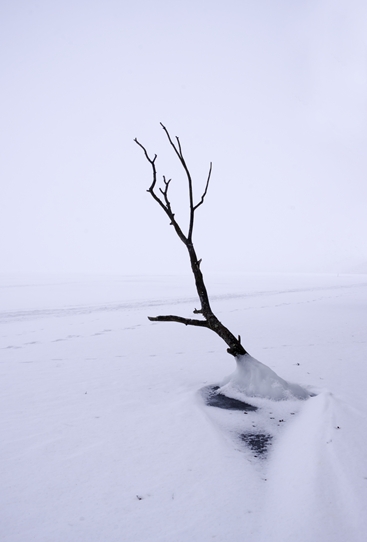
(209, 321)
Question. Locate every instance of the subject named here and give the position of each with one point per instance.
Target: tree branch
(152, 163)
(180, 320)
(178, 151)
(165, 205)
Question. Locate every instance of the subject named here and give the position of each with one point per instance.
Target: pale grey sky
(274, 92)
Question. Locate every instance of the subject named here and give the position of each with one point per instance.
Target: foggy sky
(273, 92)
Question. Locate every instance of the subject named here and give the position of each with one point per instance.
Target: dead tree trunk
(210, 321)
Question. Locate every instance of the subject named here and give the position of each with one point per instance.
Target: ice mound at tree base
(254, 379)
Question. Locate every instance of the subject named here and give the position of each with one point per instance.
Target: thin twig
(206, 189)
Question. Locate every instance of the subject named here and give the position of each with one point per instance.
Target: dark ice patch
(257, 442)
(219, 400)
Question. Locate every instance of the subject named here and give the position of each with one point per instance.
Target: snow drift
(254, 379)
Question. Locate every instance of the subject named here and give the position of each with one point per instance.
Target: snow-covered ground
(106, 437)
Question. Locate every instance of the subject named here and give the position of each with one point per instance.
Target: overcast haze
(273, 92)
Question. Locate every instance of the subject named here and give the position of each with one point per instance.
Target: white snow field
(106, 436)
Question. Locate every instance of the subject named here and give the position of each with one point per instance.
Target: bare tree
(209, 320)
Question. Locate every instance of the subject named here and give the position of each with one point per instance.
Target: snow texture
(106, 430)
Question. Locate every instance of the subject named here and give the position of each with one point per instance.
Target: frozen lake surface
(106, 434)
